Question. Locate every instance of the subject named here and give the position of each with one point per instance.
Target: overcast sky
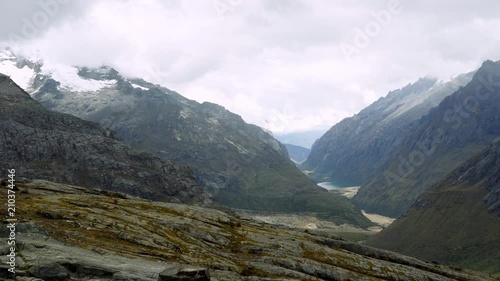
(286, 65)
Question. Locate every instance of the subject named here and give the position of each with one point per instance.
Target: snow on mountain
(68, 76)
(70, 80)
(9, 66)
(139, 86)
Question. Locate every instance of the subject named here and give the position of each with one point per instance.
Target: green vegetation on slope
(456, 221)
(226, 154)
(451, 226)
(285, 190)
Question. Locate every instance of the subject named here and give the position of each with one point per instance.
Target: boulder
(49, 271)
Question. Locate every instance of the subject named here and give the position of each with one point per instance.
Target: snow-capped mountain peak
(70, 79)
(23, 71)
(10, 65)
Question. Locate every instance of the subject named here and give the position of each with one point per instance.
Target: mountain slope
(354, 150)
(457, 221)
(297, 153)
(95, 236)
(240, 164)
(462, 125)
(38, 143)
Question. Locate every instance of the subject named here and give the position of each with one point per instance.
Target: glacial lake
(330, 185)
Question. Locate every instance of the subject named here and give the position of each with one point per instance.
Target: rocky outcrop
(49, 271)
(38, 143)
(461, 126)
(111, 238)
(456, 221)
(353, 151)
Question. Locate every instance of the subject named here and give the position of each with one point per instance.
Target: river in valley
(350, 192)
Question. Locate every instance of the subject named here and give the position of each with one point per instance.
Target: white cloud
(278, 64)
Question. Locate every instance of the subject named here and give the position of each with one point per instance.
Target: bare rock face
(38, 143)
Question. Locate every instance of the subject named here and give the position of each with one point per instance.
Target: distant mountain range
(429, 154)
(405, 142)
(354, 150)
(303, 139)
(461, 126)
(240, 164)
(297, 153)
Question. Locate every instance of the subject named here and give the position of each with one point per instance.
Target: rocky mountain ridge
(240, 164)
(354, 150)
(456, 221)
(462, 125)
(38, 143)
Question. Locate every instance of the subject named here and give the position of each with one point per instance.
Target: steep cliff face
(240, 164)
(38, 143)
(456, 221)
(461, 126)
(354, 150)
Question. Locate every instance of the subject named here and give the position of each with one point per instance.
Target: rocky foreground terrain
(70, 233)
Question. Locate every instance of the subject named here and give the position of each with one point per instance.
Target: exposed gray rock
(121, 276)
(50, 271)
(49, 145)
(184, 273)
(170, 236)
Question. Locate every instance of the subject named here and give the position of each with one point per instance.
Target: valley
(85, 133)
(239, 165)
(265, 140)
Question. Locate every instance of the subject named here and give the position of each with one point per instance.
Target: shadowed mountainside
(354, 151)
(457, 221)
(461, 126)
(38, 143)
(240, 164)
